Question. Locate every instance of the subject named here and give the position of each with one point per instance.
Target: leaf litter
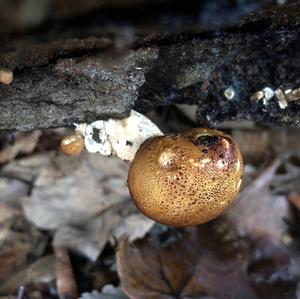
(82, 205)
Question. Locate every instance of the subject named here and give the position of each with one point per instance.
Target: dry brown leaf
(25, 144)
(11, 190)
(6, 212)
(135, 226)
(27, 169)
(258, 213)
(18, 241)
(89, 238)
(294, 199)
(42, 270)
(12, 255)
(208, 261)
(184, 268)
(83, 200)
(74, 197)
(257, 145)
(288, 179)
(71, 192)
(274, 273)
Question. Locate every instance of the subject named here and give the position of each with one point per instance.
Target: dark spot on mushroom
(207, 140)
(129, 143)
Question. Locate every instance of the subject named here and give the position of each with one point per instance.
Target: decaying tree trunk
(64, 76)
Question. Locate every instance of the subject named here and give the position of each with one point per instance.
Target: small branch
(65, 280)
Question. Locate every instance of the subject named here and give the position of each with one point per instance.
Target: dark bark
(76, 76)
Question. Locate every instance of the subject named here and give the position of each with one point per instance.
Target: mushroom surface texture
(187, 179)
(73, 144)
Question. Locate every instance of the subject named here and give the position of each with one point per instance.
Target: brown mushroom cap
(72, 145)
(186, 179)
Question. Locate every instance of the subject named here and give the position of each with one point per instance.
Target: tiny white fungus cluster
(229, 93)
(266, 94)
(282, 97)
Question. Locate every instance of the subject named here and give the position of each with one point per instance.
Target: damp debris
(257, 96)
(268, 95)
(229, 93)
(282, 97)
(292, 95)
(282, 102)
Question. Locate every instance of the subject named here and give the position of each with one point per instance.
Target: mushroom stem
(118, 137)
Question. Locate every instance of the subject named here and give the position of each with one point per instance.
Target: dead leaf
(42, 270)
(108, 292)
(89, 238)
(84, 200)
(27, 169)
(182, 268)
(6, 212)
(208, 261)
(9, 297)
(135, 226)
(25, 144)
(11, 190)
(294, 199)
(258, 145)
(288, 179)
(18, 241)
(71, 193)
(258, 213)
(294, 223)
(273, 273)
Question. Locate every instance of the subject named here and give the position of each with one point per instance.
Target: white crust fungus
(119, 137)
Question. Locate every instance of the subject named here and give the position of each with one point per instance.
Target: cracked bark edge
(74, 90)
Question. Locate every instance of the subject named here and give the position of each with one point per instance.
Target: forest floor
(68, 226)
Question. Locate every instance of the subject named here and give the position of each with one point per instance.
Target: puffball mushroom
(181, 180)
(72, 144)
(186, 179)
(6, 76)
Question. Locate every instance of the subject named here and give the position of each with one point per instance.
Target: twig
(65, 280)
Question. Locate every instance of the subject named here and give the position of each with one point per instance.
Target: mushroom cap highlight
(187, 179)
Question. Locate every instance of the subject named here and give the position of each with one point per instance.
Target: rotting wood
(76, 79)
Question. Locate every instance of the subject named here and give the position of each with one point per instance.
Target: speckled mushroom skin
(186, 179)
